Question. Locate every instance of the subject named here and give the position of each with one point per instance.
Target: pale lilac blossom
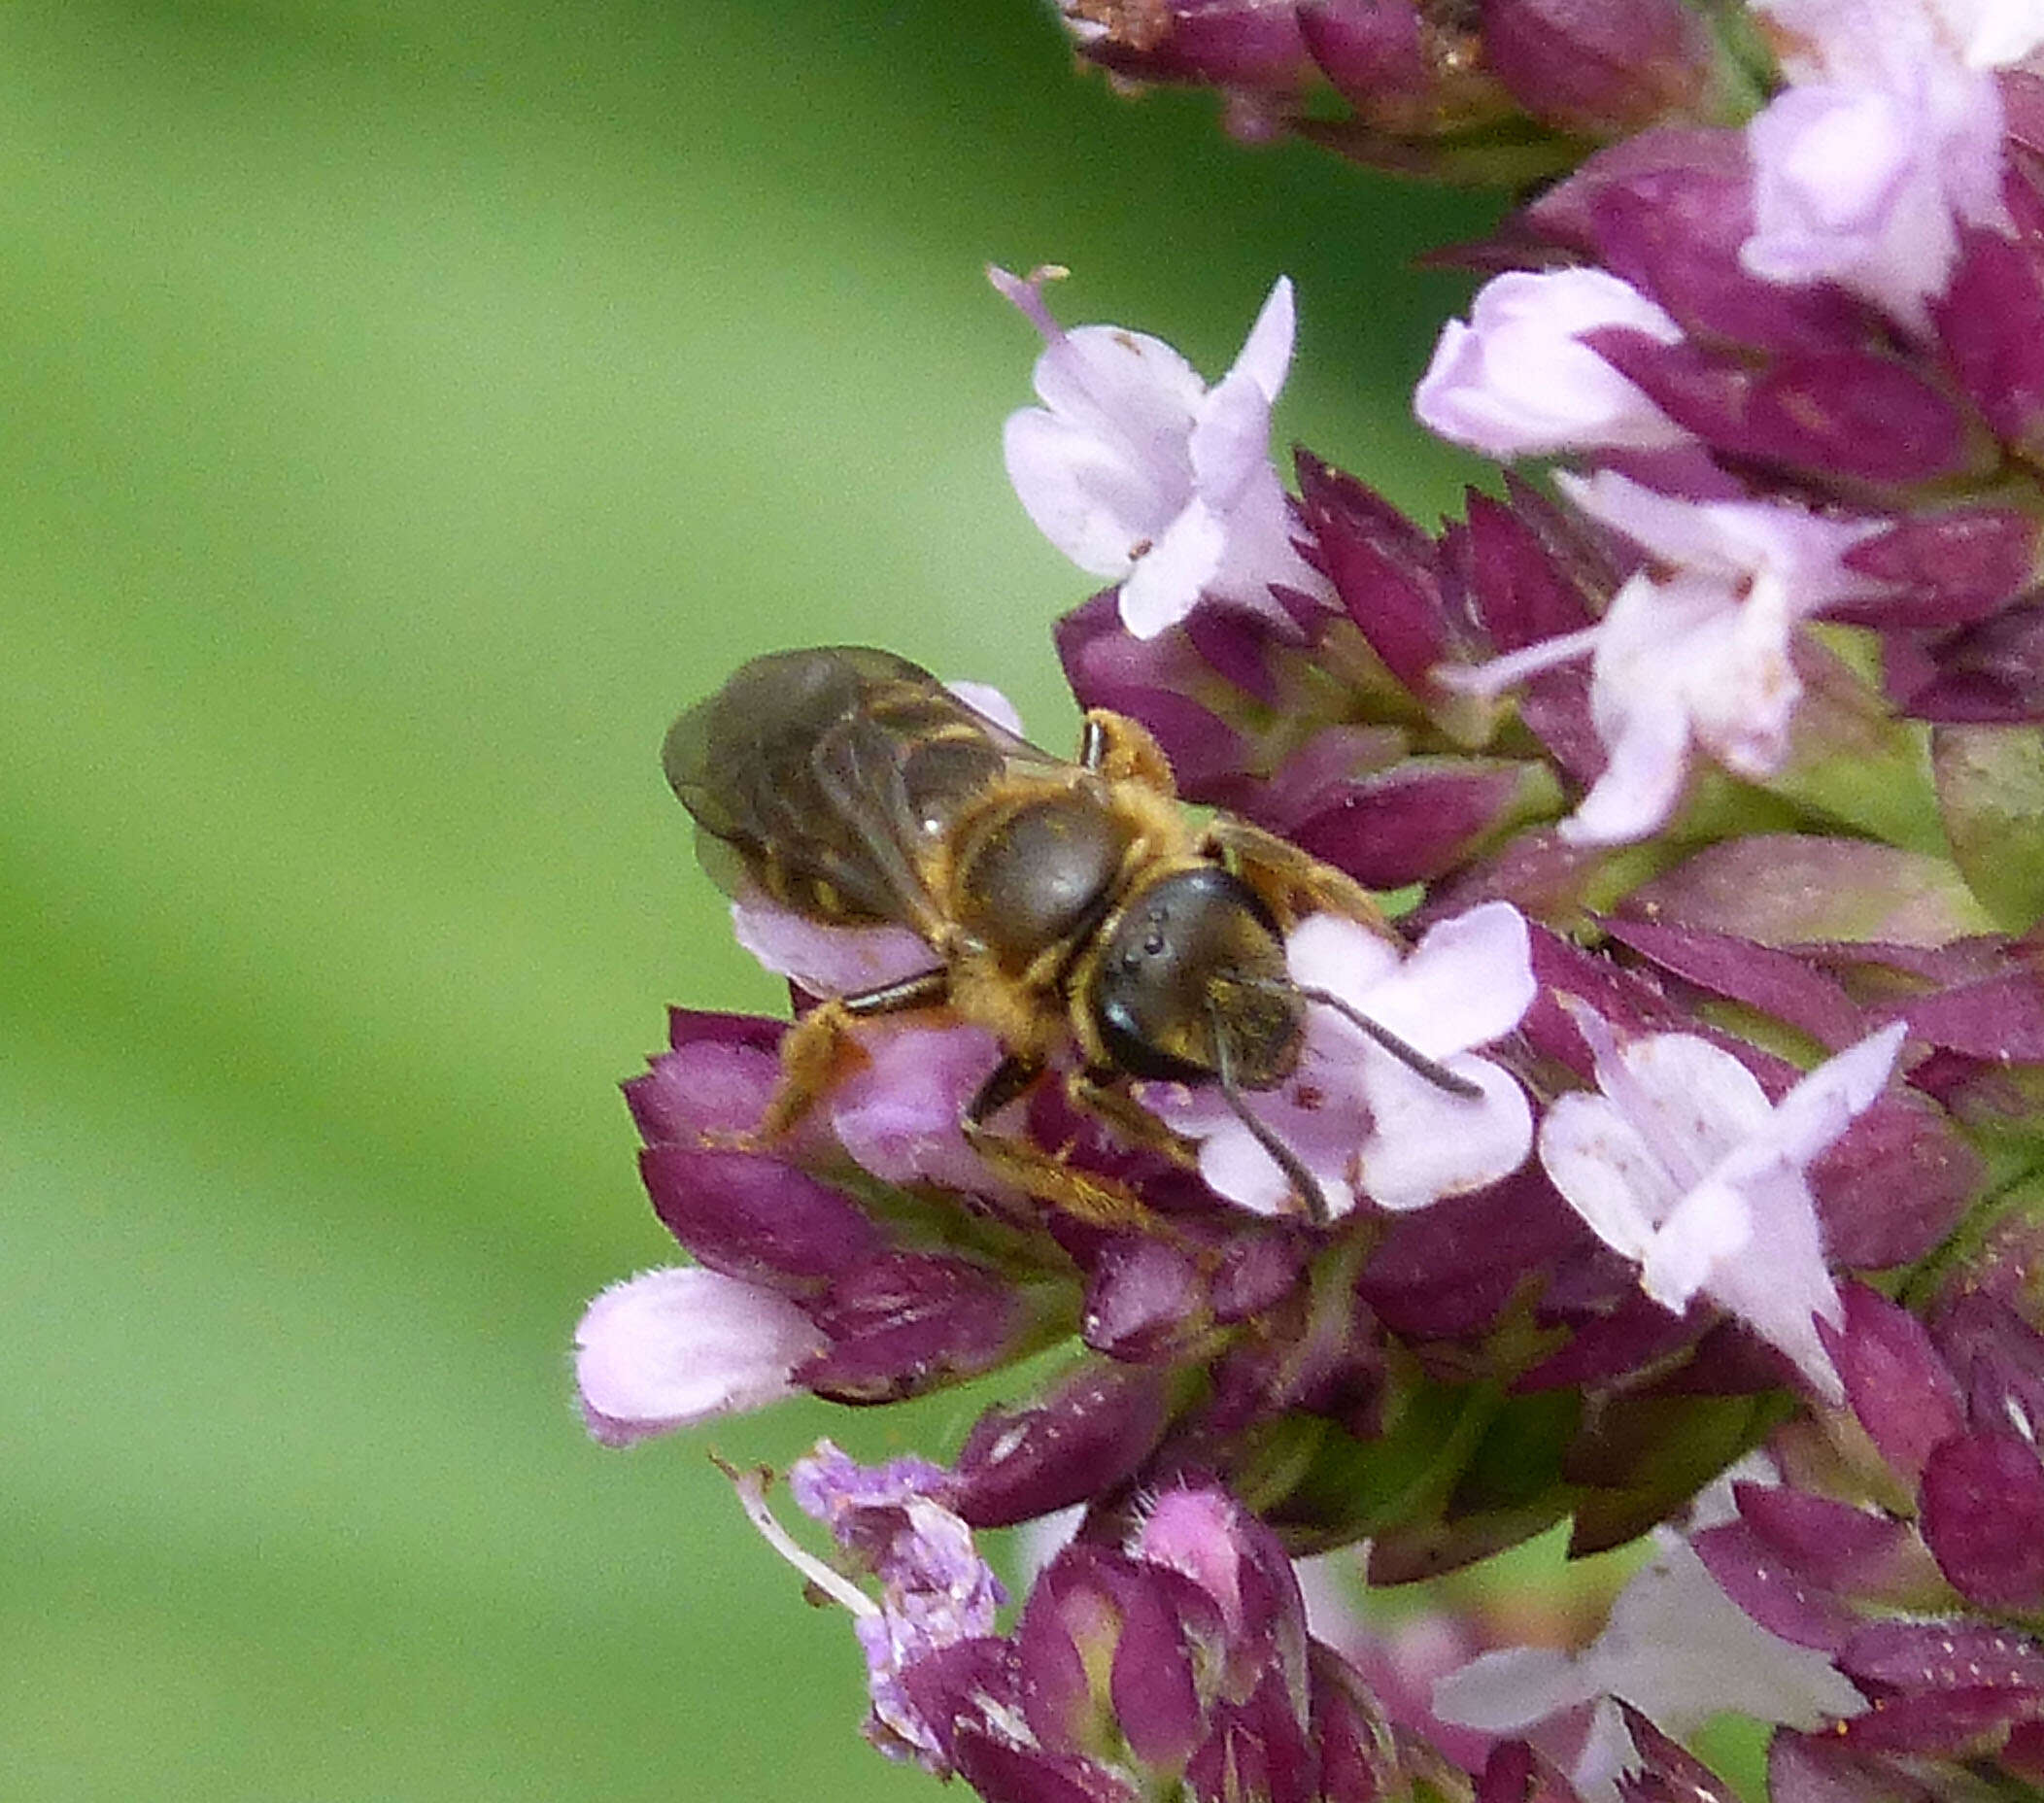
(1861, 41)
(1889, 140)
(1137, 471)
(1517, 380)
(1679, 1163)
(672, 1348)
(822, 958)
(1674, 1645)
(1700, 654)
(1365, 1126)
(934, 1589)
(1991, 34)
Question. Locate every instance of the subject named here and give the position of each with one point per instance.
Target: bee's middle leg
(1295, 881)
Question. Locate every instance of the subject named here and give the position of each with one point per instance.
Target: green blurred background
(408, 407)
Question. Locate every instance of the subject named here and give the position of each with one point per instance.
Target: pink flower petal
(824, 959)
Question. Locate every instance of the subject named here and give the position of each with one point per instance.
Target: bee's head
(1190, 984)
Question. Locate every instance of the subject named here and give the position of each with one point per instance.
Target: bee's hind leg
(817, 1048)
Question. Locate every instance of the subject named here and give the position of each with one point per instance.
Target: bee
(1074, 908)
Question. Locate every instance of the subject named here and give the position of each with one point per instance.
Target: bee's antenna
(1302, 1181)
(1410, 1056)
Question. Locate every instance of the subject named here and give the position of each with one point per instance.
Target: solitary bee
(1067, 906)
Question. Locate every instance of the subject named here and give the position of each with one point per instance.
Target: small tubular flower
(1701, 654)
(1889, 141)
(1517, 380)
(1137, 470)
(669, 1348)
(1364, 1125)
(936, 1595)
(1674, 1645)
(1682, 1164)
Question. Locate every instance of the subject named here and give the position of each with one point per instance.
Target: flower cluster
(1904, 1544)
(1671, 1166)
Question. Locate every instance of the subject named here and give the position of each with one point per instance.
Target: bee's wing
(827, 778)
(901, 772)
(869, 833)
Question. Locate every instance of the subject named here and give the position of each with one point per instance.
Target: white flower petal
(1353, 1115)
(1122, 384)
(1232, 1165)
(1733, 539)
(982, 697)
(1266, 354)
(1694, 1102)
(1680, 1162)
(1085, 492)
(1469, 981)
(1991, 34)
(1511, 1688)
(1427, 1144)
(1643, 779)
(1677, 1648)
(1325, 951)
(1808, 1118)
(1778, 1284)
(672, 1348)
(1889, 139)
(1137, 472)
(1231, 443)
(1606, 1171)
(1169, 578)
(1705, 1230)
(1517, 381)
(1260, 551)
(1741, 682)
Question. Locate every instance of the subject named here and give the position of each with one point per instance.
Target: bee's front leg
(1123, 750)
(1085, 1196)
(1107, 1099)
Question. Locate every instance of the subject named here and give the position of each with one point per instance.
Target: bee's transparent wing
(828, 779)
